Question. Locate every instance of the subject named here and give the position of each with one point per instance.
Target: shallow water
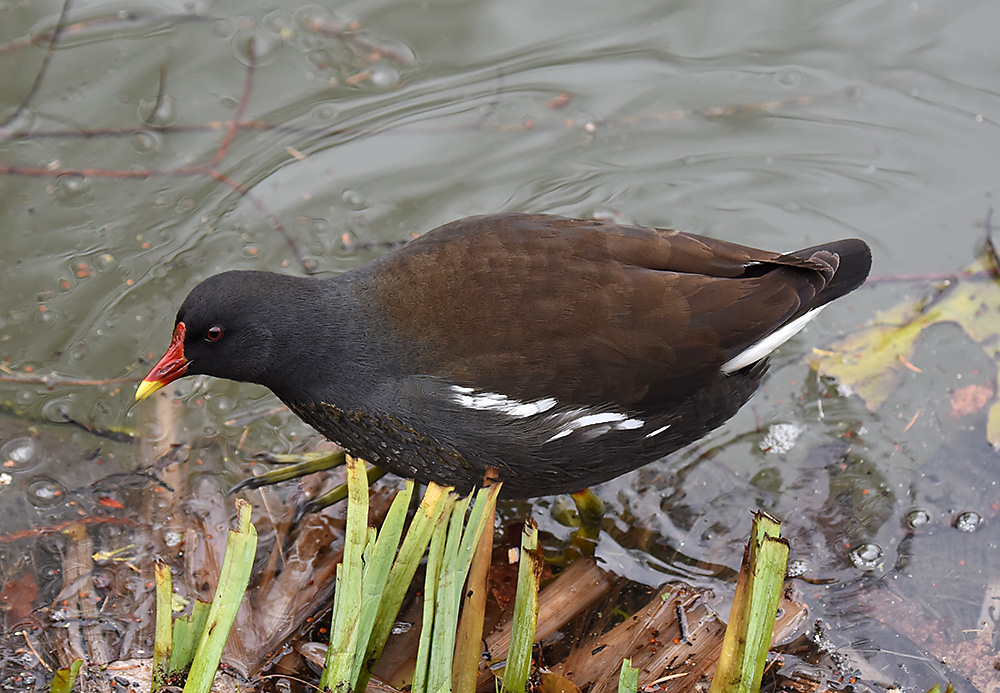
(778, 125)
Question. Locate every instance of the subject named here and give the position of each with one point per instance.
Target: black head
(226, 328)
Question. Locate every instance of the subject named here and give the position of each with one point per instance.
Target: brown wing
(528, 305)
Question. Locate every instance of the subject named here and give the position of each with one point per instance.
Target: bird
(560, 352)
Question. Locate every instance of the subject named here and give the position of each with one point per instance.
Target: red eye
(214, 333)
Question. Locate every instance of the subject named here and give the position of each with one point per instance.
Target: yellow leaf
(875, 360)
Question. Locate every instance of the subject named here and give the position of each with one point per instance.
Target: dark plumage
(562, 352)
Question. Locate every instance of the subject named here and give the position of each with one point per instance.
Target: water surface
(776, 124)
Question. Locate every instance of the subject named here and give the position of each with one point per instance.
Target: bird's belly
(537, 450)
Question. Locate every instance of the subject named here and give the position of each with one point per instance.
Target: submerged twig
(42, 69)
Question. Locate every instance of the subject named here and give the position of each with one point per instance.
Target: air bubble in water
(255, 46)
(71, 187)
(160, 113)
(55, 410)
(917, 519)
(44, 492)
(147, 142)
(866, 556)
(967, 521)
(20, 453)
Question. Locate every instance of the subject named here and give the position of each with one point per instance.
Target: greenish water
(777, 124)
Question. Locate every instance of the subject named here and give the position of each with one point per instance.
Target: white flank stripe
(765, 346)
(611, 421)
(494, 401)
(658, 431)
(594, 419)
(531, 408)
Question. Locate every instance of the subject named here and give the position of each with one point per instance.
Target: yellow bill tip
(146, 388)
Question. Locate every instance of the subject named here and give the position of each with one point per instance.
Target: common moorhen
(562, 352)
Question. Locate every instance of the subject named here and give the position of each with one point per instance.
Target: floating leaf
(873, 362)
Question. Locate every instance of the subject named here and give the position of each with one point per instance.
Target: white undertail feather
(765, 346)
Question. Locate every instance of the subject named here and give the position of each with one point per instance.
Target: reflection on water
(775, 126)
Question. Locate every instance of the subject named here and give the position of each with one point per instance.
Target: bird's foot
(300, 464)
(293, 466)
(334, 495)
(587, 516)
